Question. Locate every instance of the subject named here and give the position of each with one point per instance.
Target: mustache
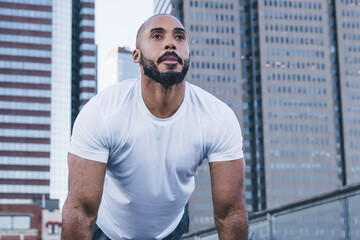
(169, 54)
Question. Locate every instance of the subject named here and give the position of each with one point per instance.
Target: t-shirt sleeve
(228, 142)
(89, 136)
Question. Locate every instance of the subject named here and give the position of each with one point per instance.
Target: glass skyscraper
(60, 96)
(47, 72)
(293, 83)
(291, 96)
(300, 113)
(347, 50)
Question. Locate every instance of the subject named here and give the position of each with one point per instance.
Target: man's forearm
(76, 224)
(234, 226)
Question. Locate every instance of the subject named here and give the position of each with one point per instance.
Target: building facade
(40, 220)
(300, 113)
(347, 50)
(20, 220)
(296, 98)
(294, 89)
(41, 44)
(119, 66)
(25, 75)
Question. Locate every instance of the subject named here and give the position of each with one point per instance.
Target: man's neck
(162, 102)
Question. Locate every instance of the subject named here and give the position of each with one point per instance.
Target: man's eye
(156, 36)
(180, 37)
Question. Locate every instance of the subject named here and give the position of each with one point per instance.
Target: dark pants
(175, 235)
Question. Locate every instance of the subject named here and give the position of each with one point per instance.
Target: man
(136, 147)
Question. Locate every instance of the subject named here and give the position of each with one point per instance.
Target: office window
(5, 222)
(15, 222)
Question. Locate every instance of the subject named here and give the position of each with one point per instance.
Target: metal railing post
(270, 226)
(345, 205)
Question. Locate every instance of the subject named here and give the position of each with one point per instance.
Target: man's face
(164, 51)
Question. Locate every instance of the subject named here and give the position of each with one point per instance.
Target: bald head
(145, 24)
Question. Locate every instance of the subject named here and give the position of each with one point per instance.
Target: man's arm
(230, 213)
(86, 180)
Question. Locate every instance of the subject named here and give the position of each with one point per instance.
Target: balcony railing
(333, 215)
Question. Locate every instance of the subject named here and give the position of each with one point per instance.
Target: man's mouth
(169, 58)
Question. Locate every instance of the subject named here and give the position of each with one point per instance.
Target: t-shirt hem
(222, 158)
(93, 156)
(172, 226)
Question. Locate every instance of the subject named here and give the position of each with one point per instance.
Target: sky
(116, 24)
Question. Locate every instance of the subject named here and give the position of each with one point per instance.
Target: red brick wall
(31, 210)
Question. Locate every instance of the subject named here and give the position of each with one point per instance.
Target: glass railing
(333, 215)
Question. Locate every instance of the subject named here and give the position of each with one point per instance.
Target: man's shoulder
(206, 102)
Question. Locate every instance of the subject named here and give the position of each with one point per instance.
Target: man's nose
(170, 44)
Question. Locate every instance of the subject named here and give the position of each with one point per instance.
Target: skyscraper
(294, 89)
(118, 67)
(299, 112)
(84, 52)
(347, 50)
(47, 72)
(291, 96)
(25, 75)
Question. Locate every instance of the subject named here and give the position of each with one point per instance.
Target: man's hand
(86, 181)
(230, 213)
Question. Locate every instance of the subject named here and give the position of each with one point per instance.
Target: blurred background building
(119, 66)
(40, 220)
(47, 73)
(290, 71)
(25, 77)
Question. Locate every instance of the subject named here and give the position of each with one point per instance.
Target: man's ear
(136, 56)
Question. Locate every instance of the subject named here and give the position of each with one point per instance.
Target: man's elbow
(75, 211)
(232, 223)
(231, 212)
(237, 213)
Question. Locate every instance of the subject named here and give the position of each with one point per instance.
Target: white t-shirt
(151, 162)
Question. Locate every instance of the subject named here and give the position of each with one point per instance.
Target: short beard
(166, 79)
